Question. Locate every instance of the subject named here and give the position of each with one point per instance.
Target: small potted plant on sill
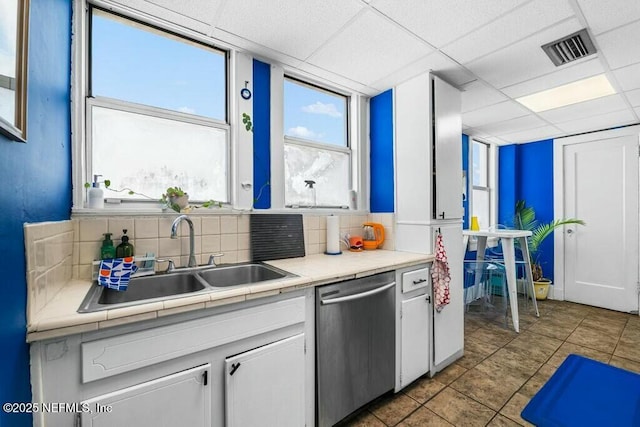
(176, 198)
(525, 219)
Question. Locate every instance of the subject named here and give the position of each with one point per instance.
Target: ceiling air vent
(568, 49)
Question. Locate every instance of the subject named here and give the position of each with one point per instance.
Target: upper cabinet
(428, 150)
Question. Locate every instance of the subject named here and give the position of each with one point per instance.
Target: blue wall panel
(526, 173)
(535, 185)
(261, 135)
(37, 185)
(381, 153)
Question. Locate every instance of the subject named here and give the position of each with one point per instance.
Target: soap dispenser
(95, 196)
(124, 249)
(107, 251)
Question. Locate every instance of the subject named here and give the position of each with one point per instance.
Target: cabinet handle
(417, 282)
(428, 298)
(234, 368)
(442, 215)
(205, 377)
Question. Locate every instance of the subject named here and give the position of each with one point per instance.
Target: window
(156, 111)
(481, 193)
(316, 146)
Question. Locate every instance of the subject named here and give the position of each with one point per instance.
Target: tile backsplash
(49, 257)
(58, 251)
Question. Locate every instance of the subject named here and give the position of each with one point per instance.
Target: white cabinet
(415, 339)
(180, 399)
(413, 325)
(448, 324)
(428, 150)
(266, 386)
(447, 142)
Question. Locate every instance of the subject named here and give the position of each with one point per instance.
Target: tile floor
(502, 370)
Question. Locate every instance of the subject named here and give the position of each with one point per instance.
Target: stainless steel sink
(179, 284)
(144, 289)
(241, 274)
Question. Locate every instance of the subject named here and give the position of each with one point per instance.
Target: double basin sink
(178, 284)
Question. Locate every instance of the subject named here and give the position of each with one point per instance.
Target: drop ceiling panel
(560, 76)
(634, 97)
(368, 49)
(600, 122)
(296, 28)
(604, 15)
(510, 28)
(494, 113)
(521, 61)
(200, 10)
(513, 125)
(477, 95)
(444, 67)
(200, 24)
(530, 135)
(585, 109)
(440, 22)
(621, 46)
(628, 77)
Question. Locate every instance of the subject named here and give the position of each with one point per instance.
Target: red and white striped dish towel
(440, 276)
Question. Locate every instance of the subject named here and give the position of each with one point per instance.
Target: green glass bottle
(124, 249)
(107, 251)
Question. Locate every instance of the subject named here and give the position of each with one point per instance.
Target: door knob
(569, 231)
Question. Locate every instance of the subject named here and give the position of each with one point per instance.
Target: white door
(415, 339)
(181, 399)
(265, 386)
(601, 188)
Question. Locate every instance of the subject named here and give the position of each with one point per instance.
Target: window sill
(149, 211)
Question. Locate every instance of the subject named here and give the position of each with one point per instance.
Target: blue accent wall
(37, 186)
(381, 153)
(526, 173)
(466, 168)
(261, 135)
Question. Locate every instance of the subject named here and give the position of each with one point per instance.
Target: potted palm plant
(525, 219)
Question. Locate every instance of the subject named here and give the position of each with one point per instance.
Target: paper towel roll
(333, 235)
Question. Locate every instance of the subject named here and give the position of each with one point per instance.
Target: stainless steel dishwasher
(355, 339)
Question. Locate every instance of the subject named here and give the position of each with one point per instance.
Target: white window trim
(492, 179)
(80, 156)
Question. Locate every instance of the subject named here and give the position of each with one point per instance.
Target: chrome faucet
(174, 235)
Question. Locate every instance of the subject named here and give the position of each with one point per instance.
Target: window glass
(149, 154)
(314, 114)
(136, 63)
(480, 165)
(156, 114)
(481, 208)
(315, 146)
(329, 169)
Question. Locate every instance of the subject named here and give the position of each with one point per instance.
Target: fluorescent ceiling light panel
(572, 93)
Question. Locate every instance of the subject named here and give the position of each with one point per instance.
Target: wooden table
(508, 238)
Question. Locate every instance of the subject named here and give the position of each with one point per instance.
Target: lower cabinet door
(265, 386)
(180, 399)
(415, 339)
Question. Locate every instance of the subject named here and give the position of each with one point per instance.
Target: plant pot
(541, 288)
(181, 201)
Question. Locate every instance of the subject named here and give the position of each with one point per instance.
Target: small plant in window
(175, 198)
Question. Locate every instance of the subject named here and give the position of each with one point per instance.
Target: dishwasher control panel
(416, 279)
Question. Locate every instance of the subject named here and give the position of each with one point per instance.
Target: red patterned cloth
(440, 276)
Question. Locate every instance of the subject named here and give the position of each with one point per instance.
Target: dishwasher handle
(358, 296)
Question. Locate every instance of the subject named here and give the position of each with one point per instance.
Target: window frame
(489, 189)
(346, 149)
(82, 101)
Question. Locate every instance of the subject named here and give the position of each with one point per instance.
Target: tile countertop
(59, 317)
